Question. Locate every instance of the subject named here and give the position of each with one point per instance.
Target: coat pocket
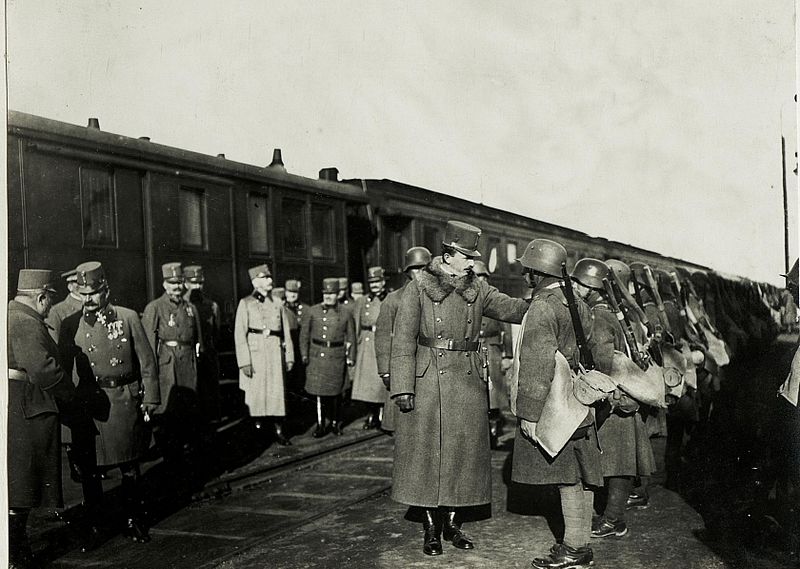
(423, 361)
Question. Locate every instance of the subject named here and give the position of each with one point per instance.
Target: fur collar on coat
(437, 284)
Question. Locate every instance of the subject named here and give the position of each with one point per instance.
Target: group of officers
(434, 361)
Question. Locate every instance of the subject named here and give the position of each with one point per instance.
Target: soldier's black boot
(563, 556)
(432, 525)
(495, 428)
(320, 431)
(336, 414)
(135, 528)
(74, 470)
(280, 437)
(452, 531)
(93, 500)
(20, 555)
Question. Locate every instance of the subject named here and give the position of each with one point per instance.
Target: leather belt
(325, 344)
(448, 344)
(177, 343)
(17, 375)
(278, 333)
(369, 328)
(112, 382)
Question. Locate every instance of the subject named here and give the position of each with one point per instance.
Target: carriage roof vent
(94, 123)
(221, 155)
(329, 174)
(145, 138)
(277, 161)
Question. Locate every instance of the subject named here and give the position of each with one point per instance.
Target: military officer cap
(462, 237)
(259, 272)
(330, 285)
(35, 280)
(292, 285)
(279, 292)
(480, 269)
(91, 277)
(194, 273)
(590, 273)
(620, 269)
(375, 274)
(417, 257)
(342, 283)
(544, 256)
(70, 276)
(172, 272)
(357, 288)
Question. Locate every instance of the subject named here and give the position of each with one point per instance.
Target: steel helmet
(480, 269)
(590, 273)
(620, 269)
(544, 256)
(637, 272)
(417, 257)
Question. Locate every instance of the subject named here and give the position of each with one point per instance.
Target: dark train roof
(421, 196)
(140, 152)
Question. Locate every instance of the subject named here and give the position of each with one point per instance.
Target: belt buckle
(449, 343)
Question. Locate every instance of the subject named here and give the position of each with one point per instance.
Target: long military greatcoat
(112, 346)
(264, 392)
(623, 436)
(34, 453)
(208, 363)
(367, 384)
(384, 332)
(496, 338)
(173, 329)
(547, 328)
(325, 374)
(442, 452)
(67, 307)
(296, 377)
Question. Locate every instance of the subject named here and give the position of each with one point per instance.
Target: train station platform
(326, 503)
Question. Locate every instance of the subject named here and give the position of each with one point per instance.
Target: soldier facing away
(37, 384)
(262, 347)
(442, 455)
(106, 350)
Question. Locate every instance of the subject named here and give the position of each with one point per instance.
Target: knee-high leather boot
(135, 527)
(336, 415)
(19, 550)
(320, 430)
(432, 525)
(453, 532)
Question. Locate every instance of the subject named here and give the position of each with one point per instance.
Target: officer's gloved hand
(350, 363)
(247, 370)
(289, 366)
(386, 382)
(505, 364)
(149, 408)
(405, 402)
(305, 361)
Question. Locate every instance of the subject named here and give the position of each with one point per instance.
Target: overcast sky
(651, 123)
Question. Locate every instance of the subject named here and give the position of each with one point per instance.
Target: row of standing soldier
(569, 326)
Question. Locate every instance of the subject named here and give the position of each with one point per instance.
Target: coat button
(438, 319)
(322, 354)
(324, 327)
(439, 336)
(436, 304)
(441, 354)
(441, 372)
(469, 372)
(469, 321)
(324, 319)
(366, 339)
(366, 313)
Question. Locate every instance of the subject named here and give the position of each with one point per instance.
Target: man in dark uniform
(442, 454)
(547, 337)
(296, 378)
(36, 385)
(495, 341)
(105, 347)
(417, 258)
(367, 384)
(327, 346)
(174, 331)
(208, 362)
(70, 305)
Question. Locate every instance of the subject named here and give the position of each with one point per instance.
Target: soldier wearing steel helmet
(548, 328)
(442, 453)
(415, 260)
(106, 350)
(37, 385)
(495, 338)
(627, 451)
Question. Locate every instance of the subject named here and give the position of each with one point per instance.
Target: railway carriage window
(293, 228)
(257, 212)
(192, 215)
(511, 254)
(431, 239)
(98, 207)
(322, 231)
